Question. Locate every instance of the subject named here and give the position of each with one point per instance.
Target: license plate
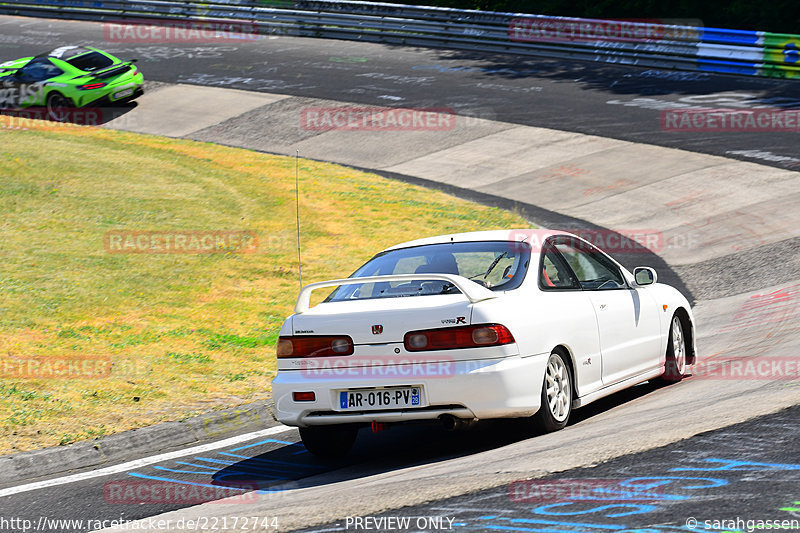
(369, 399)
(123, 94)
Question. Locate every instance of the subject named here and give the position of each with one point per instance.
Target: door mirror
(644, 276)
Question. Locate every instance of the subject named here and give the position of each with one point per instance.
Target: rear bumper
(114, 93)
(496, 388)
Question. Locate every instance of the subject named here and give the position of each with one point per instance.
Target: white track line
(138, 463)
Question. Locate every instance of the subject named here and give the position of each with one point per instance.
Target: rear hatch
(378, 327)
(393, 316)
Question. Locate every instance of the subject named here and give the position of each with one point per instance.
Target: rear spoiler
(107, 73)
(113, 71)
(473, 291)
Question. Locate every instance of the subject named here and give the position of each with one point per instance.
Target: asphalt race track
(571, 145)
(745, 472)
(596, 99)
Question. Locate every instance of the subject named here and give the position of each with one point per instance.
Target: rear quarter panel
(541, 321)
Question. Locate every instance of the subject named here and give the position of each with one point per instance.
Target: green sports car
(68, 77)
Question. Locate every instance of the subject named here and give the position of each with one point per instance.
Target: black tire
(675, 367)
(556, 395)
(58, 107)
(329, 442)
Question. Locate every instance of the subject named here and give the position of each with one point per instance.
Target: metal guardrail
(624, 42)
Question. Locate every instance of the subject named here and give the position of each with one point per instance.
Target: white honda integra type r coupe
(492, 324)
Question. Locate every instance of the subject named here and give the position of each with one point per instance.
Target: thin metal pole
(297, 212)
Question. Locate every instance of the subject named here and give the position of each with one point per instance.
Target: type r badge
(377, 329)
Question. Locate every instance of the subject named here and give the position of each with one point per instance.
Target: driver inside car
(444, 263)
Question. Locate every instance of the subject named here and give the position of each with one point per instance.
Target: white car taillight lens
(314, 346)
(460, 337)
(342, 346)
(285, 347)
(417, 341)
(487, 335)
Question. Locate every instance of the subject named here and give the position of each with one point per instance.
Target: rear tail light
(90, 86)
(314, 346)
(460, 337)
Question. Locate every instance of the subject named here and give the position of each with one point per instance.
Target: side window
(554, 273)
(39, 69)
(593, 269)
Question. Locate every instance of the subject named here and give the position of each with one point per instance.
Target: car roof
(66, 53)
(530, 235)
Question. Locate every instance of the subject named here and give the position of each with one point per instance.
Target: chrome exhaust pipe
(453, 423)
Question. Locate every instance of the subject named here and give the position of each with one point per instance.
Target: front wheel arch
(688, 330)
(676, 363)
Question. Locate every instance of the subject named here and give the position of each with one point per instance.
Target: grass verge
(94, 341)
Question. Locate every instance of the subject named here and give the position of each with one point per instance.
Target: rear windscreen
(497, 265)
(91, 61)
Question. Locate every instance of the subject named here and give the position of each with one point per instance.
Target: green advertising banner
(781, 55)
